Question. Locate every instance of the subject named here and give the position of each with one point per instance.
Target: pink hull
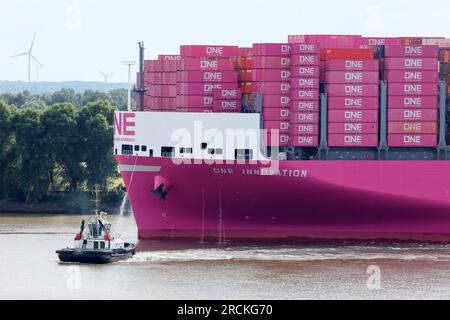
(397, 200)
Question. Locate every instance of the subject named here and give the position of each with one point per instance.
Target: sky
(76, 39)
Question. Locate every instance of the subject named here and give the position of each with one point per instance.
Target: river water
(29, 268)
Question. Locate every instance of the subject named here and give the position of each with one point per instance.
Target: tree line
(66, 146)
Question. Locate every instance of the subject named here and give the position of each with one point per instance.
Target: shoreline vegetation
(54, 150)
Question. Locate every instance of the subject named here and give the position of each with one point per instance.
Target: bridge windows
(185, 150)
(136, 148)
(217, 151)
(144, 148)
(243, 154)
(204, 145)
(167, 152)
(127, 149)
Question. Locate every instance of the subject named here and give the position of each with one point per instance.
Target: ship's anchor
(161, 187)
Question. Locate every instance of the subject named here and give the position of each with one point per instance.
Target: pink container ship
(347, 162)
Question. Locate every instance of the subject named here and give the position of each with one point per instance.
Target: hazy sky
(77, 38)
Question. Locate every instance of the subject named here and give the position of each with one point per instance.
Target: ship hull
(290, 200)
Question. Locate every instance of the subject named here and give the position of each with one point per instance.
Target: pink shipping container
(206, 65)
(425, 102)
(352, 128)
(411, 64)
(152, 77)
(366, 42)
(268, 62)
(152, 66)
(305, 48)
(169, 57)
(213, 51)
(207, 76)
(326, 41)
(275, 101)
(413, 127)
(305, 71)
(412, 89)
(352, 77)
(352, 65)
(353, 140)
(169, 103)
(304, 94)
(227, 105)
(276, 114)
(169, 78)
(279, 88)
(352, 90)
(170, 66)
(224, 94)
(412, 115)
(304, 141)
(305, 60)
(305, 83)
(277, 139)
(353, 103)
(304, 105)
(282, 126)
(271, 49)
(413, 140)
(303, 129)
(200, 101)
(198, 88)
(304, 117)
(412, 76)
(411, 51)
(352, 116)
(271, 75)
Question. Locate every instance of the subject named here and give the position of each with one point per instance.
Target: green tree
(96, 130)
(66, 95)
(61, 131)
(35, 164)
(93, 96)
(8, 155)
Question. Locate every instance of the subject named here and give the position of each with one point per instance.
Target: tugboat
(97, 245)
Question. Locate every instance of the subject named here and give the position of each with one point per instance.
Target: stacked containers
(152, 84)
(304, 95)
(203, 69)
(244, 67)
(168, 92)
(271, 78)
(412, 76)
(351, 79)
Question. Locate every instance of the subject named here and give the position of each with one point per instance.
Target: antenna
(30, 57)
(106, 75)
(130, 64)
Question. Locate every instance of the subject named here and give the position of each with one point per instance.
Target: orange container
(444, 56)
(352, 54)
(246, 87)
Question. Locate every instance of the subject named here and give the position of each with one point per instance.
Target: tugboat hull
(96, 256)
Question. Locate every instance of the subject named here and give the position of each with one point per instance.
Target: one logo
(124, 124)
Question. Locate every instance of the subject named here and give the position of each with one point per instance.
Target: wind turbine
(30, 56)
(106, 75)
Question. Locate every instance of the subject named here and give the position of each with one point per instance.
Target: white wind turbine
(30, 57)
(106, 75)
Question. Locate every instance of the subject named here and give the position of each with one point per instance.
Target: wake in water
(293, 253)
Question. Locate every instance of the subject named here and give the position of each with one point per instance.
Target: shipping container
(277, 88)
(412, 114)
(403, 76)
(276, 139)
(413, 89)
(275, 101)
(193, 64)
(412, 140)
(412, 127)
(305, 60)
(271, 75)
(352, 90)
(230, 94)
(198, 88)
(369, 77)
(270, 62)
(304, 141)
(352, 65)
(304, 105)
(352, 116)
(416, 51)
(304, 94)
(353, 140)
(282, 126)
(305, 48)
(304, 117)
(276, 114)
(347, 54)
(305, 71)
(227, 105)
(207, 76)
(353, 103)
(204, 101)
(352, 128)
(271, 49)
(296, 129)
(213, 51)
(402, 102)
(304, 83)
(411, 64)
